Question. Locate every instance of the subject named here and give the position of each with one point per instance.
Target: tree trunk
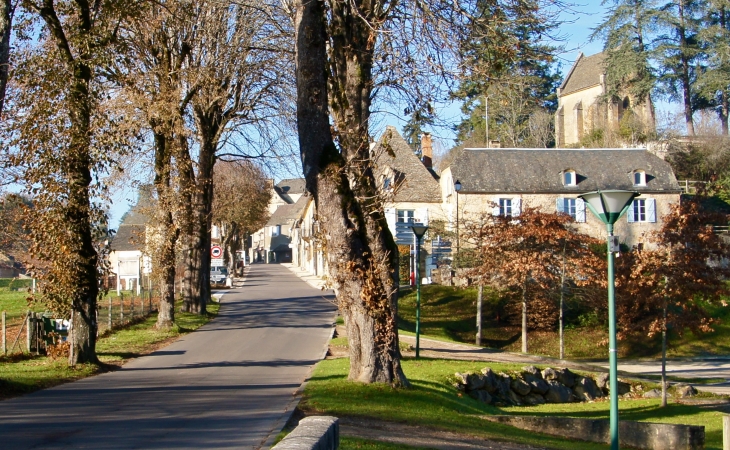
(524, 318)
(362, 254)
(685, 63)
(562, 304)
(165, 257)
(480, 298)
(6, 23)
(664, 355)
(187, 227)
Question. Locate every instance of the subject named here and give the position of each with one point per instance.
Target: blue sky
(575, 32)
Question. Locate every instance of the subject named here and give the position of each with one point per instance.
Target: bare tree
(7, 8)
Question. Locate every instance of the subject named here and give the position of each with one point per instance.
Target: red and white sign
(216, 251)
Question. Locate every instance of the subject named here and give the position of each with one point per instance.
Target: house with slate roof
(128, 258)
(582, 107)
(272, 242)
(503, 181)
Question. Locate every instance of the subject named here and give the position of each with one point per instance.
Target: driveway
(230, 384)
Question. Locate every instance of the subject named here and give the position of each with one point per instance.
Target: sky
(575, 30)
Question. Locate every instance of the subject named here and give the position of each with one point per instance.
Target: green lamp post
(418, 231)
(609, 206)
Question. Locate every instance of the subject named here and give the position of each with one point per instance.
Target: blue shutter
(580, 210)
(650, 210)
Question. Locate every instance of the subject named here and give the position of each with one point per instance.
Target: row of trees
(94, 84)
(677, 49)
(540, 259)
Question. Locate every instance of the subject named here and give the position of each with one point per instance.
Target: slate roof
(414, 182)
(290, 186)
(288, 213)
(586, 72)
(540, 170)
(130, 235)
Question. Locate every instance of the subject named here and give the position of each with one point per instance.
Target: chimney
(426, 150)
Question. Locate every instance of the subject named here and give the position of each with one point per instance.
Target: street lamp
(418, 231)
(457, 188)
(609, 206)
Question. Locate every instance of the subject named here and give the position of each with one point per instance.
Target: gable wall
(570, 125)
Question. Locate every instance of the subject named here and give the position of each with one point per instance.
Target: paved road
(226, 385)
(686, 368)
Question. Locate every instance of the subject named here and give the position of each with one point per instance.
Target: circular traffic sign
(216, 251)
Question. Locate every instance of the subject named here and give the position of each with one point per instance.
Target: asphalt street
(227, 385)
(713, 368)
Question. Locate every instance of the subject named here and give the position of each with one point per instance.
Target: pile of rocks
(533, 386)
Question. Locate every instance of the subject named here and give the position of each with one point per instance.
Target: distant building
(272, 242)
(584, 108)
(129, 259)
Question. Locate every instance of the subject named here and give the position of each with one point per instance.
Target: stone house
(308, 251)
(583, 108)
(503, 181)
(272, 242)
(128, 257)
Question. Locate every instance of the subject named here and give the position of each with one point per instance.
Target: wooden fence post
(110, 312)
(726, 432)
(131, 314)
(28, 330)
(5, 335)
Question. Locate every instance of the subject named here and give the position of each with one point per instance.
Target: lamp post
(457, 188)
(609, 206)
(418, 231)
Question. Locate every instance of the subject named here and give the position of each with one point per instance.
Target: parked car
(218, 274)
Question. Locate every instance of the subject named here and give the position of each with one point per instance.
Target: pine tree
(714, 83)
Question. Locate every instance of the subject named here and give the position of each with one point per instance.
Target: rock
(654, 393)
(602, 382)
(685, 390)
(533, 399)
(557, 393)
(539, 386)
(623, 387)
(490, 380)
(503, 391)
(566, 377)
(520, 386)
(475, 381)
(514, 398)
(481, 396)
(460, 387)
(461, 377)
(585, 389)
(549, 374)
(531, 371)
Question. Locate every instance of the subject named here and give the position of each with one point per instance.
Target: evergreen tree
(714, 83)
(413, 130)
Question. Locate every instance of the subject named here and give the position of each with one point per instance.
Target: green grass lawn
(449, 313)
(23, 374)
(433, 402)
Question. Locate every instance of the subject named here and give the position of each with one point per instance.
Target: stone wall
(313, 433)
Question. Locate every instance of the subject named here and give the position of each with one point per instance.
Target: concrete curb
(313, 433)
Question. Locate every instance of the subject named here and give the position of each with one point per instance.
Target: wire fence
(32, 331)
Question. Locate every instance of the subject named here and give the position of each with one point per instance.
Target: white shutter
(650, 210)
(495, 209)
(559, 203)
(516, 207)
(390, 217)
(630, 213)
(580, 210)
(422, 215)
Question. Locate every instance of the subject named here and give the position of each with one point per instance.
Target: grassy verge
(449, 313)
(433, 402)
(24, 374)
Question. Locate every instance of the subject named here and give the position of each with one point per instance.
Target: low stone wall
(640, 435)
(313, 433)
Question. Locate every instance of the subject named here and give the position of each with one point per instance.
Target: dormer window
(569, 178)
(639, 178)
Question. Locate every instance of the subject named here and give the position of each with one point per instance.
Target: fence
(112, 312)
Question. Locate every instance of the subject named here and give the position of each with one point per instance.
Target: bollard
(726, 432)
(110, 313)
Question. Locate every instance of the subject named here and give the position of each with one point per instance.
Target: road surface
(227, 385)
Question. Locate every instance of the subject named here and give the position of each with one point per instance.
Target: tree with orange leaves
(532, 254)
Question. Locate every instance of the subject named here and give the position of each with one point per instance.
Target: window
(406, 215)
(386, 184)
(574, 207)
(276, 230)
(642, 210)
(639, 178)
(505, 207)
(569, 178)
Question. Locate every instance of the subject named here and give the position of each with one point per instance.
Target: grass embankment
(449, 313)
(432, 402)
(22, 374)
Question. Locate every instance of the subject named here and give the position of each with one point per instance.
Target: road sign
(216, 251)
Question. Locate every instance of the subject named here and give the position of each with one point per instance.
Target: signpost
(216, 253)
